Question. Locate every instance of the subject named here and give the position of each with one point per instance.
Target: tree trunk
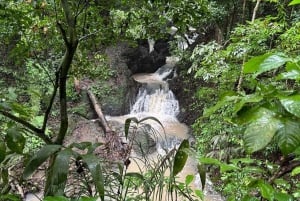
(99, 112)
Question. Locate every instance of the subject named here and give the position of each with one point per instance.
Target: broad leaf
(40, 157)
(290, 75)
(15, 140)
(58, 173)
(295, 171)
(283, 197)
(264, 63)
(253, 64)
(272, 62)
(93, 164)
(261, 131)
(221, 103)
(288, 136)
(291, 104)
(251, 98)
(2, 151)
(181, 157)
(294, 2)
(266, 190)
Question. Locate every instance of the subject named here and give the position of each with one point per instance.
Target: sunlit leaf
(94, 166)
(253, 64)
(15, 140)
(295, 171)
(294, 2)
(260, 132)
(291, 104)
(57, 176)
(290, 75)
(288, 136)
(189, 179)
(266, 190)
(264, 63)
(227, 167)
(40, 157)
(181, 157)
(209, 161)
(88, 199)
(199, 194)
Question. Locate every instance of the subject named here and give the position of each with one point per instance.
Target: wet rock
(141, 60)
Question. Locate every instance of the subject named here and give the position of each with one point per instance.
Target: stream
(155, 99)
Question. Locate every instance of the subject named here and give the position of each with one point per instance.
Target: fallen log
(99, 112)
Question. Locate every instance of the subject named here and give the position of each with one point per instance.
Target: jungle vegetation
(241, 74)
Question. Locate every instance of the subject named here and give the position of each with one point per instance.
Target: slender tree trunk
(244, 11)
(241, 78)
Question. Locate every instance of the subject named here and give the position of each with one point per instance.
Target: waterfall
(154, 97)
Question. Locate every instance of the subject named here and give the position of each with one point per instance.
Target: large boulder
(141, 60)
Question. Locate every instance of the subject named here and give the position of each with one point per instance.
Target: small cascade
(154, 97)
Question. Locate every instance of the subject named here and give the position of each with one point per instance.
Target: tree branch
(63, 33)
(38, 132)
(47, 113)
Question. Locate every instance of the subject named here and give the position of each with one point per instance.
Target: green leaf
(151, 118)
(209, 161)
(252, 65)
(15, 140)
(136, 175)
(283, 197)
(55, 198)
(202, 174)
(288, 136)
(180, 157)
(272, 62)
(260, 132)
(251, 98)
(58, 173)
(188, 179)
(88, 199)
(295, 171)
(294, 2)
(290, 75)
(264, 63)
(227, 167)
(94, 166)
(291, 104)
(199, 194)
(40, 157)
(10, 197)
(127, 125)
(266, 190)
(221, 103)
(2, 151)
(81, 145)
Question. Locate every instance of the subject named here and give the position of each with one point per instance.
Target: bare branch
(47, 113)
(88, 35)
(63, 33)
(38, 132)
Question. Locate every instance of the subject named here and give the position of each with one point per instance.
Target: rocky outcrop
(141, 60)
